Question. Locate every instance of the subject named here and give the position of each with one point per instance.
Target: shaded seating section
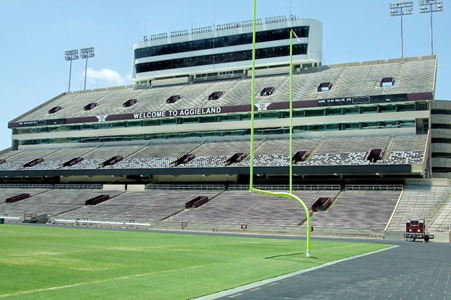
(153, 205)
(196, 202)
(416, 202)
(243, 207)
(358, 209)
(17, 198)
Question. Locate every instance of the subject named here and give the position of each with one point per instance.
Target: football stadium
(364, 145)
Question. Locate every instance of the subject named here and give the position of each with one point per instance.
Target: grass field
(70, 263)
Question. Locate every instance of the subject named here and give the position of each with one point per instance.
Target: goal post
(289, 195)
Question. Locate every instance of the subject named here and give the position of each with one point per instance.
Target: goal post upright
(289, 195)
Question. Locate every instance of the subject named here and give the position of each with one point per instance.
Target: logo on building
(102, 118)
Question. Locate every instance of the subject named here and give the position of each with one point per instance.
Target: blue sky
(35, 34)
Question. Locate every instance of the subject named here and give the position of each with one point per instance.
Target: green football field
(39, 262)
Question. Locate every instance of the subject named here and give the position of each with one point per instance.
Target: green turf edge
(224, 263)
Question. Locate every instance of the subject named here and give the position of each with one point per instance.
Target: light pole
(430, 6)
(70, 55)
(85, 54)
(400, 9)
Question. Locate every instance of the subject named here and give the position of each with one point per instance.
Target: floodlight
(85, 54)
(400, 9)
(430, 6)
(70, 55)
(71, 52)
(87, 50)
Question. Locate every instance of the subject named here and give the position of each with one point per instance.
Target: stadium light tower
(430, 6)
(400, 9)
(85, 54)
(70, 55)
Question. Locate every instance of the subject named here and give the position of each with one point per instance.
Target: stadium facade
(226, 52)
(186, 119)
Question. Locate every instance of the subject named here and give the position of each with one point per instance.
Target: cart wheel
(412, 239)
(426, 238)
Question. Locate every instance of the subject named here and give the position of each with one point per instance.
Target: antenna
(145, 29)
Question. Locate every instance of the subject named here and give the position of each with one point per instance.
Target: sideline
(281, 277)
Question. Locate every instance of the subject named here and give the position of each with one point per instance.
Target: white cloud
(110, 77)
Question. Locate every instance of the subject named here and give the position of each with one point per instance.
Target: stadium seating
(406, 149)
(358, 209)
(152, 205)
(50, 202)
(416, 203)
(243, 207)
(347, 81)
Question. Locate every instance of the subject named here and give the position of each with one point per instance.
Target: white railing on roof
(298, 187)
(374, 187)
(51, 186)
(185, 187)
(27, 186)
